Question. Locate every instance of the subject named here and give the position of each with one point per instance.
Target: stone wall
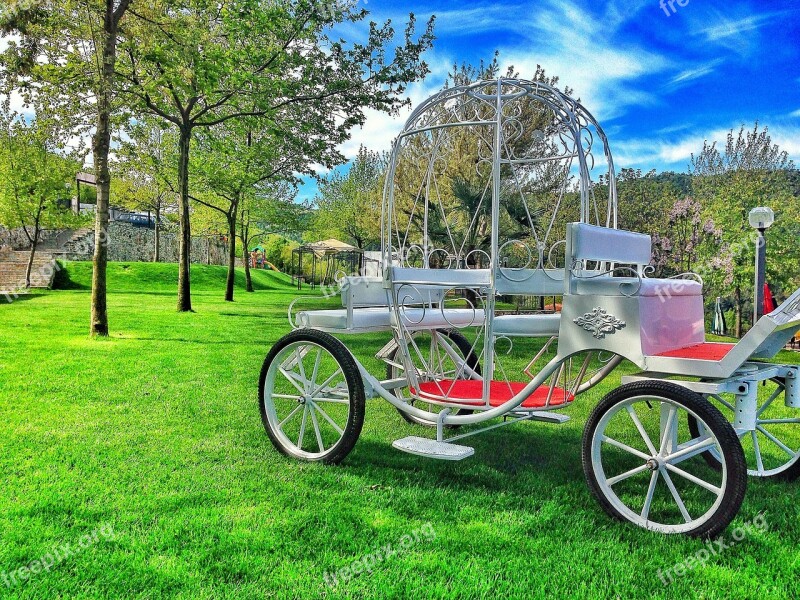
(128, 243)
(15, 239)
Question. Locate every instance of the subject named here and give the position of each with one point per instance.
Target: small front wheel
(311, 397)
(644, 465)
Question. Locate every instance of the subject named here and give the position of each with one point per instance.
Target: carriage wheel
(446, 369)
(642, 463)
(311, 397)
(771, 449)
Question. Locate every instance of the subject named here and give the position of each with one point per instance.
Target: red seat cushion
(705, 351)
(470, 391)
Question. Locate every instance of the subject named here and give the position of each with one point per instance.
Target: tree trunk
(231, 255)
(246, 260)
(737, 296)
(100, 147)
(185, 243)
(157, 249)
(29, 268)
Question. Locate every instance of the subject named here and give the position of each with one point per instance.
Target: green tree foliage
(749, 171)
(198, 64)
(35, 176)
(348, 206)
(146, 172)
(66, 53)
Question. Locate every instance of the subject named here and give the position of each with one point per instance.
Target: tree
(198, 64)
(750, 171)
(34, 177)
(271, 209)
(145, 164)
(349, 205)
(72, 44)
(237, 161)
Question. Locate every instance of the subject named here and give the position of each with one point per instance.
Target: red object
(769, 301)
(470, 391)
(705, 351)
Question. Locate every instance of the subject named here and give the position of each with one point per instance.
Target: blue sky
(658, 84)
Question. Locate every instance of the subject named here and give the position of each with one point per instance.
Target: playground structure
(503, 188)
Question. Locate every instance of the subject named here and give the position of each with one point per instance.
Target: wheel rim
(658, 480)
(307, 400)
(768, 449)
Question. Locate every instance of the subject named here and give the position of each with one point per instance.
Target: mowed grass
(156, 432)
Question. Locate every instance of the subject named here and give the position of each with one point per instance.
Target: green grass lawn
(155, 433)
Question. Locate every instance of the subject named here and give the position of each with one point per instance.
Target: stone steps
(12, 270)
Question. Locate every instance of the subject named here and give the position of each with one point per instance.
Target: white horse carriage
(505, 189)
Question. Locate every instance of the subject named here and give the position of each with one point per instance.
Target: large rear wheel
(643, 464)
(311, 397)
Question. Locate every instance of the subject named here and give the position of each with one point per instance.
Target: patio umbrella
(769, 301)
(720, 327)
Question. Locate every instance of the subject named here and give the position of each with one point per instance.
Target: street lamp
(760, 219)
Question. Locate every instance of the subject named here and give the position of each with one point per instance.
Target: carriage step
(433, 449)
(544, 416)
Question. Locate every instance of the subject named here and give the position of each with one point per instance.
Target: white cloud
(795, 113)
(380, 129)
(579, 46)
(689, 75)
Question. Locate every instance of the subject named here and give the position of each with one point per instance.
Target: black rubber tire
(355, 418)
(463, 345)
(722, 429)
(789, 475)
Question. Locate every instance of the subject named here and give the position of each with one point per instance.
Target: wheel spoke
(289, 416)
(338, 371)
(651, 490)
(771, 399)
(301, 368)
(627, 475)
(316, 428)
(332, 400)
(778, 421)
(668, 430)
(302, 427)
(287, 397)
(777, 442)
(691, 449)
(329, 420)
(676, 496)
(641, 429)
(757, 448)
(290, 377)
(696, 480)
(625, 447)
(316, 367)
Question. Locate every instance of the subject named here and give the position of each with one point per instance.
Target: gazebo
(333, 256)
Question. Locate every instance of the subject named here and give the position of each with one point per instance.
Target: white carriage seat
(527, 325)
(379, 318)
(367, 308)
(671, 313)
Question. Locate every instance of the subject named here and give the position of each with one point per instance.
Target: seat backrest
(603, 244)
(606, 247)
(363, 291)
